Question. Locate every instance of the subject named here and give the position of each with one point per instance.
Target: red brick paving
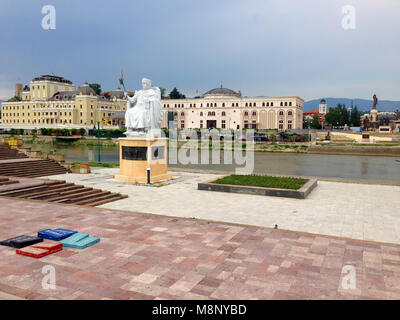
(143, 256)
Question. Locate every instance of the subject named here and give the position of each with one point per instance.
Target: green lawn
(263, 181)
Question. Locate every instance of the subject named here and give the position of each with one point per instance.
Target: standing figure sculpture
(375, 101)
(144, 111)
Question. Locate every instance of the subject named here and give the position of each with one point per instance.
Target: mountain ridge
(361, 104)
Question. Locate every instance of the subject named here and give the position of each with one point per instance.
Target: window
(281, 113)
(201, 114)
(281, 104)
(201, 124)
(223, 113)
(182, 124)
(290, 113)
(263, 104)
(272, 104)
(280, 124)
(246, 113)
(289, 124)
(182, 114)
(223, 104)
(254, 113)
(223, 125)
(290, 104)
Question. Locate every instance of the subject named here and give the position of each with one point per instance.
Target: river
(335, 166)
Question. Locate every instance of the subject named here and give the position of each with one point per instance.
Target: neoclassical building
(226, 109)
(53, 100)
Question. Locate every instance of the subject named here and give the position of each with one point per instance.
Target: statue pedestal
(137, 154)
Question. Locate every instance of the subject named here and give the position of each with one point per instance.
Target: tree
(338, 116)
(15, 99)
(175, 94)
(96, 87)
(355, 118)
(163, 91)
(315, 124)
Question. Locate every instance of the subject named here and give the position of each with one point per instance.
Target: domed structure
(221, 92)
(119, 94)
(323, 101)
(86, 90)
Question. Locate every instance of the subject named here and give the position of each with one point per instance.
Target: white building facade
(226, 109)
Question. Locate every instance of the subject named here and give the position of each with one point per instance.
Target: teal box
(79, 241)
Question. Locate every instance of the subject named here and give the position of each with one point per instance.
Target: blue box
(55, 234)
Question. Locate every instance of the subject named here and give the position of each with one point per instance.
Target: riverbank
(358, 149)
(381, 149)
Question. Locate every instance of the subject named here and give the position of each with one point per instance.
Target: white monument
(144, 111)
(143, 153)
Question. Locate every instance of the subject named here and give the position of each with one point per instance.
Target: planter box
(81, 170)
(302, 193)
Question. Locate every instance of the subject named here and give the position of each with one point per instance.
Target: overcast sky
(261, 47)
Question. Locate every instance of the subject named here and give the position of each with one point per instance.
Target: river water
(335, 166)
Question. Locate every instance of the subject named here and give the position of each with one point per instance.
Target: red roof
(311, 112)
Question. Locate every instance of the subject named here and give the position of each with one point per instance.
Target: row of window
(246, 124)
(223, 113)
(59, 106)
(234, 104)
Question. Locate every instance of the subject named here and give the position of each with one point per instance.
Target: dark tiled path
(144, 256)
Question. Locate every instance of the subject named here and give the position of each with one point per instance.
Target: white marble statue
(144, 111)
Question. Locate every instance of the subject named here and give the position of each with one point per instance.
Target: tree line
(337, 117)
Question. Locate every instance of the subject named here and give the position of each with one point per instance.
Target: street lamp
(98, 142)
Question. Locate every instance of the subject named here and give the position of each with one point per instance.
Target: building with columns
(226, 109)
(53, 100)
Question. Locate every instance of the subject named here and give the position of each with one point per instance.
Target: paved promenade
(144, 256)
(358, 211)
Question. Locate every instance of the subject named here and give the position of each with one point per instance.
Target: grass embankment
(100, 165)
(263, 181)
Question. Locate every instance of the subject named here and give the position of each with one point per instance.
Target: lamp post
(98, 142)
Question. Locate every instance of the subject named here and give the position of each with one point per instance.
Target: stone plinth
(139, 153)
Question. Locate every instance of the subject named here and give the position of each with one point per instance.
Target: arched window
(272, 104)
(182, 113)
(237, 104)
(246, 104)
(213, 113)
(223, 104)
(290, 113)
(201, 114)
(281, 113)
(223, 113)
(290, 104)
(254, 113)
(246, 113)
(281, 104)
(263, 104)
(285, 104)
(254, 104)
(233, 104)
(207, 104)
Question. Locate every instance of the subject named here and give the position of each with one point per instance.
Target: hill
(362, 104)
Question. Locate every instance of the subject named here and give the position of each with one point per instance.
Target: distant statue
(375, 101)
(144, 111)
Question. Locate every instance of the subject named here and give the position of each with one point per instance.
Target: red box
(52, 247)
(33, 252)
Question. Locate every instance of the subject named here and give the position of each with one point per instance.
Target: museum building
(226, 109)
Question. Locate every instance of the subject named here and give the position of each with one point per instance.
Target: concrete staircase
(30, 168)
(57, 191)
(7, 153)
